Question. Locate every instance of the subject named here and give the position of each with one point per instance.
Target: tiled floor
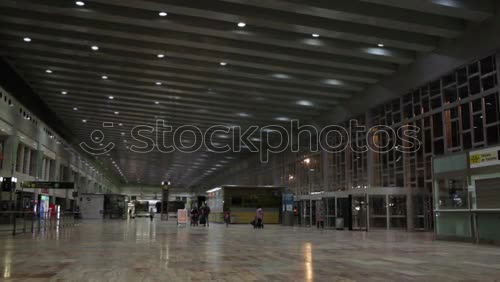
(138, 250)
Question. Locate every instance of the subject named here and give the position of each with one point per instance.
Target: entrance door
(359, 213)
(344, 213)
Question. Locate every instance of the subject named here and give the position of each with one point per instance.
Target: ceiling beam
(472, 10)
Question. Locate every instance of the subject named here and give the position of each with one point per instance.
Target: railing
(18, 222)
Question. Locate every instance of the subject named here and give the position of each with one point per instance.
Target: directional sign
(48, 185)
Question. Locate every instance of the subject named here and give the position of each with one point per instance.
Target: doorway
(359, 213)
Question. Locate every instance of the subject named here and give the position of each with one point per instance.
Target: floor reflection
(141, 250)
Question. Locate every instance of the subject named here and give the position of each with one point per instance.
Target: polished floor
(138, 250)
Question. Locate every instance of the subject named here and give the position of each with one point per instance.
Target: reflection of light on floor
(165, 254)
(308, 261)
(7, 261)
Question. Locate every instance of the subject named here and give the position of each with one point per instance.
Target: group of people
(200, 215)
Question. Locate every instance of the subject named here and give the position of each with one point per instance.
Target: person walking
(206, 212)
(194, 216)
(259, 216)
(227, 217)
(320, 215)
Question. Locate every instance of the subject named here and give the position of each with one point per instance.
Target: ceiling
(229, 62)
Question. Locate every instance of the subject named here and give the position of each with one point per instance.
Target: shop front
(467, 196)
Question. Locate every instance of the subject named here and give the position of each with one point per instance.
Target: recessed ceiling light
(75, 109)
(242, 24)
(111, 97)
(48, 71)
(160, 56)
(64, 92)
(120, 124)
(84, 120)
(243, 114)
(80, 3)
(156, 102)
(27, 39)
(282, 118)
(281, 76)
(95, 48)
(158, 83)
(117, 113)
(381, 45)
(223, 63)
(305, 103)
(332, 82)
(315, 35)
(104, 77)
(162, 14)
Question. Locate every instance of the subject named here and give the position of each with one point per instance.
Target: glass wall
(378, 211)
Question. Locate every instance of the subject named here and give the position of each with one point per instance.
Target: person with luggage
(194, 216)
(259, 218)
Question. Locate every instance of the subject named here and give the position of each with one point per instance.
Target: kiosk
(467, 196)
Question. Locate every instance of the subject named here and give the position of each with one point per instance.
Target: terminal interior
(246, 140)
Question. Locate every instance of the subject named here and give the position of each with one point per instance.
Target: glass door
(359, 213)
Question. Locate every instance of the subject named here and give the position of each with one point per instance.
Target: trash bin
(339, 223)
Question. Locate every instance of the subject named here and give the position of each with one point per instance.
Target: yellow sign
(484, 157)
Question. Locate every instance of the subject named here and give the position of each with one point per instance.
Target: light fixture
(282, 119)
(214, 190)
(95, 48)
(120, 124)
(104, 77)
(48, 71)
(117, 113)
(223, 63)
(381, 45)
(160, 56)
(281, 76)
(243, 114)
(80, 3)
(242, 24)
(75, 109)
(305, 103)
(315, 35)
(111, 97)
(84, 120)
(158, 83)
(64, 92)
(162, 14)
(307, 161)
(27, 39)
(156, 102)
(333, 82)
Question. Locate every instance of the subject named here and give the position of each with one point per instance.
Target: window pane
(478, 128)
(491, 103)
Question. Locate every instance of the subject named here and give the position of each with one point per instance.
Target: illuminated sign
(485, 157)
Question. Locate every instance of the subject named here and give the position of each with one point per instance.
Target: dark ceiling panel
(197, 65)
